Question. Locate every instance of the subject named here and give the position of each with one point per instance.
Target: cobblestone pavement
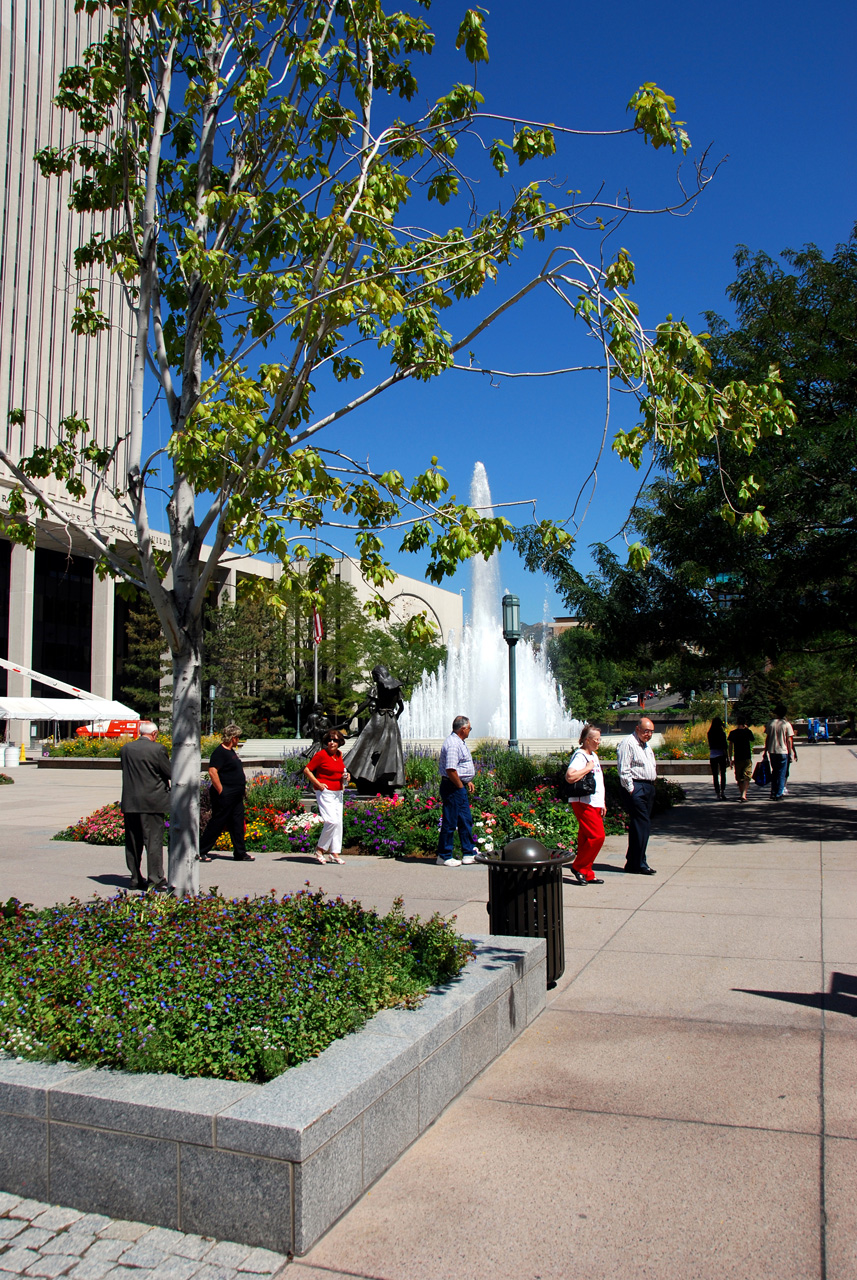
(44, 1241)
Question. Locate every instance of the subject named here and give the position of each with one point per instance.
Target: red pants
(590, 838)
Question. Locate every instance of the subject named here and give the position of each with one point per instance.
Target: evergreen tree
(140, 683)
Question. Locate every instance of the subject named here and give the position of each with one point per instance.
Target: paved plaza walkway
(685, 1108)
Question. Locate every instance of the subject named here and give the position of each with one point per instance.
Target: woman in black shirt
(228, 785)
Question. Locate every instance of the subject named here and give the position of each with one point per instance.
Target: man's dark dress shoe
(594, 880)
(139, 884)
(243, 857)
(641, 871)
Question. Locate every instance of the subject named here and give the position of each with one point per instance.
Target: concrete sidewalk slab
(712, 988)
(840, 940)
(731, 900)
(690, 933)
(540, 1191)
(840, 1169)
(712, 1073)
(840, 1084)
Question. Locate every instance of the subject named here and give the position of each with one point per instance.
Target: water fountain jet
(473, 680)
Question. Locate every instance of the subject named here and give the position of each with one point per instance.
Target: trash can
(12, 757)
(525, 896)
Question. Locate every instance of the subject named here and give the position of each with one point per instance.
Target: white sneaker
(468, 859)
(447, 862)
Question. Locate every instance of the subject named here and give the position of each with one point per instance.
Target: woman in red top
(326, 774)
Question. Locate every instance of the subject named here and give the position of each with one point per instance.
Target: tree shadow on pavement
(841, 998)
(114, 879)
(763, 819)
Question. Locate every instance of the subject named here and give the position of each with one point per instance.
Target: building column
(101, 660)
(228, 584)
(21, 601)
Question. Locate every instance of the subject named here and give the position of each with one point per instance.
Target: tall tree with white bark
(257, 178)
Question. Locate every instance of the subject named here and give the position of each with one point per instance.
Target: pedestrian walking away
(327, 775)
(779, 747)
(457, 771)
(228, 785)
(145, 801)
(741, 746)
(637, 773)
(588, 809)
(718, 755)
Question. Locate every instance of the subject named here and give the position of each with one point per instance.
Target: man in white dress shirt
(456, 783)
(637, 773)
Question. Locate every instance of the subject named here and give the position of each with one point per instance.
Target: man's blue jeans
(456, 817)
(778, 774)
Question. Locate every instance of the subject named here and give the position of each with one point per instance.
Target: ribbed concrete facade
(45, 369)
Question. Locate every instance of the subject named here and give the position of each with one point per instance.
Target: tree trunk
(186, 766)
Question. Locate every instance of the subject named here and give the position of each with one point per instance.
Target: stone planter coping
(270, 1165)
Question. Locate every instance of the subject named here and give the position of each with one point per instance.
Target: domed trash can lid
(526, 852)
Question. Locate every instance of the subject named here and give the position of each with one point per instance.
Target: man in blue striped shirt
(456, 784)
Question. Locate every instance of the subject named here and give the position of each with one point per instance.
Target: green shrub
(421, 767)
(109, 748)
(5, 780)
(510, 769)
(238, 990)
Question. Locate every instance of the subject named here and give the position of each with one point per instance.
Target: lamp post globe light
(212, 693)
(298, 701)
(512, 634)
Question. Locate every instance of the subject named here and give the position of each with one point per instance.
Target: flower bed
(238, 990)
(407, 824)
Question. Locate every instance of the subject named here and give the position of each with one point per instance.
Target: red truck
(109, 729)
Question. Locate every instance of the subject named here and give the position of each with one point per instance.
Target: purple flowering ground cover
(237, 989)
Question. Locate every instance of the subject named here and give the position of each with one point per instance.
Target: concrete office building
(56, 616)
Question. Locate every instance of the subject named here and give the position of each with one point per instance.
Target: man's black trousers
(638, 806)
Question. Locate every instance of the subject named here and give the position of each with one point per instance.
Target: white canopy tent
(83, 710)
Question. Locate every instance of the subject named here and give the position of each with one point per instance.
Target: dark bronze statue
(317, 726)
(376, 762)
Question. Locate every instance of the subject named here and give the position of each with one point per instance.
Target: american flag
(317, 628)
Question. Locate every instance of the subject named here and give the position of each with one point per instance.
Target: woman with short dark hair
(327, 775)
(228, 785)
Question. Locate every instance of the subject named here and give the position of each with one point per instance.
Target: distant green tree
(245, 657)
(140, 683)
(406, 658)
(589, 680)
(762, 691)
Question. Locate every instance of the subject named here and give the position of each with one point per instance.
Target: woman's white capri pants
(330, 810)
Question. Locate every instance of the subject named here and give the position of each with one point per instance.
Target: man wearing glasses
(637, 773)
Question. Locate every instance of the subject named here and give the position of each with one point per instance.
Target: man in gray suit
(145, 800)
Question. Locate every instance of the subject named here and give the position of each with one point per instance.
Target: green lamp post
(512, 634)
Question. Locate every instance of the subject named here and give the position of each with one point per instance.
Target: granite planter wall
(271, 1165)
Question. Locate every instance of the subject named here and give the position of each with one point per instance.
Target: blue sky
(762, 84)
(769, 86)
